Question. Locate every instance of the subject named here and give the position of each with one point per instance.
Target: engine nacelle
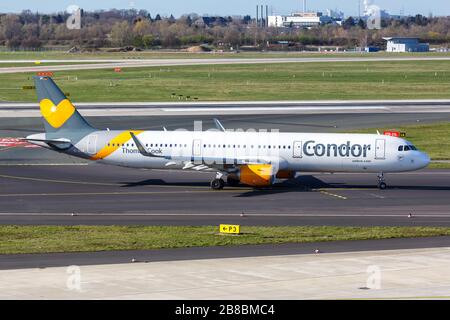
(257, 175)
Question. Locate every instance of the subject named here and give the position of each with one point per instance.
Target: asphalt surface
(106, 195)
(190, 62)
(38, 186)
(26, 261)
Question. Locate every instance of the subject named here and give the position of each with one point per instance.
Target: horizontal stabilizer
(60, 143)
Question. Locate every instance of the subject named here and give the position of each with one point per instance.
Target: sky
(229, 7)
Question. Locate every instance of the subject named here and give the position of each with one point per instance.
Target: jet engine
(257, 175)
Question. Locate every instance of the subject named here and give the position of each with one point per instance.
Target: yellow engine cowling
(257, 175)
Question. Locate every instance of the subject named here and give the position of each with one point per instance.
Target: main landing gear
(218, 183)
(381, 182)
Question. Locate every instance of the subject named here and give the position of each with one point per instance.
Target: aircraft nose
(424, 160)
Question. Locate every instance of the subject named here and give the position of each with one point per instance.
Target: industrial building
(299, 20)
(402, 44)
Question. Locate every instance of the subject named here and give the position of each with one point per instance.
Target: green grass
(433, 138)
(46, 239)
(27, 64)
(439, 165)
(26, 55)
(293, 81)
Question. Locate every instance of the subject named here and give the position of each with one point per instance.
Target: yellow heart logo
(56, 116)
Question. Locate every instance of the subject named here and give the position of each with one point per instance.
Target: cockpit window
(407, 148)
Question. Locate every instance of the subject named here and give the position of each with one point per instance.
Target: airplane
(256, 159)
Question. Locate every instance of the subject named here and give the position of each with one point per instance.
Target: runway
(191, 62)
(105, 195)
(234, 108)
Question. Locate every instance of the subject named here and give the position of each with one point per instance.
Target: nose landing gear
(381, 181)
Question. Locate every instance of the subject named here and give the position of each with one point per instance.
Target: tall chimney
(304, 5)
(257, 15)
(262, 16)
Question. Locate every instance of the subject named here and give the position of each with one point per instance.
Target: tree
(232, 36)
(11, 27)
(348, 23)
(121, 34)
(362, 24)
(142, 27)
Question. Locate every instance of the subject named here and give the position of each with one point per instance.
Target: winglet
(219, 125)
(142, 149)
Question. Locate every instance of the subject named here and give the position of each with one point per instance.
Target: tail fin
(58, 112)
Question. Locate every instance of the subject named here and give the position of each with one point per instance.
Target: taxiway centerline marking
(332, 194)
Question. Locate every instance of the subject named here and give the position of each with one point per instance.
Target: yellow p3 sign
(230, 228)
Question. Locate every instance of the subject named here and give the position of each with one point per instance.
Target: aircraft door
(380, 149)
(297, 149)
(92, 144)
(197, 148)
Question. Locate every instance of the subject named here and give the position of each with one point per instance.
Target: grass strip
(50, 239)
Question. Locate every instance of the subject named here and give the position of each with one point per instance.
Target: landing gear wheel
(382, 186)
(232, 182)
(217, 184)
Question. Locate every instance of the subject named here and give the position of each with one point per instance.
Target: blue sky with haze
(229, 7)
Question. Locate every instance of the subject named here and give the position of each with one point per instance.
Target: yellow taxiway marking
(109, 193)
(57, 181)
(99, 183)
(332, 195)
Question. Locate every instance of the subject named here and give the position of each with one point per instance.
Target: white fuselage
(304, 152)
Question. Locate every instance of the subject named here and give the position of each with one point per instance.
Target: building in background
(402, 44)
(299, 20)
